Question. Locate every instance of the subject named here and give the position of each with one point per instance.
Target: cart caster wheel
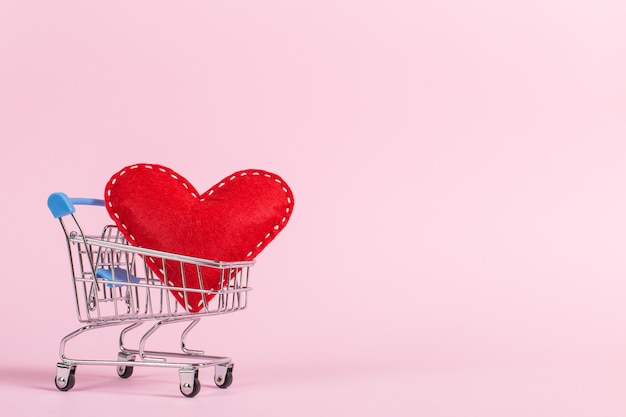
(226, 381)
(189, 383)
(65, 378)
(189, 390)
(124, 371)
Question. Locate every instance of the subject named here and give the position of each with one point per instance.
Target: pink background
(458, 244)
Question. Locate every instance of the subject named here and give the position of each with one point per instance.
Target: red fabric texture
(234, 220)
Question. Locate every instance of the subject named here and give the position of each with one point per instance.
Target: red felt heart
(234, 220)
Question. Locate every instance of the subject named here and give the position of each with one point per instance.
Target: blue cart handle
(61, 205)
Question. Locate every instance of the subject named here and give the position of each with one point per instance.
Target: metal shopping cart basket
(113, 286)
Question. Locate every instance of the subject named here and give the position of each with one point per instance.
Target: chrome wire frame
(102, 303)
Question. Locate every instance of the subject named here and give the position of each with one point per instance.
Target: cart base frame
(188, 361)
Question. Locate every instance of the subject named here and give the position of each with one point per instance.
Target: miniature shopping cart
(114, 286)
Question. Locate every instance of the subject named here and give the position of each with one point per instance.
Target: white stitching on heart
(287, 209)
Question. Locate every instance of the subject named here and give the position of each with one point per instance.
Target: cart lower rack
(114, 286)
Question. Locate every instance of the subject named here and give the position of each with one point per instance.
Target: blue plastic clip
(116, 275)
